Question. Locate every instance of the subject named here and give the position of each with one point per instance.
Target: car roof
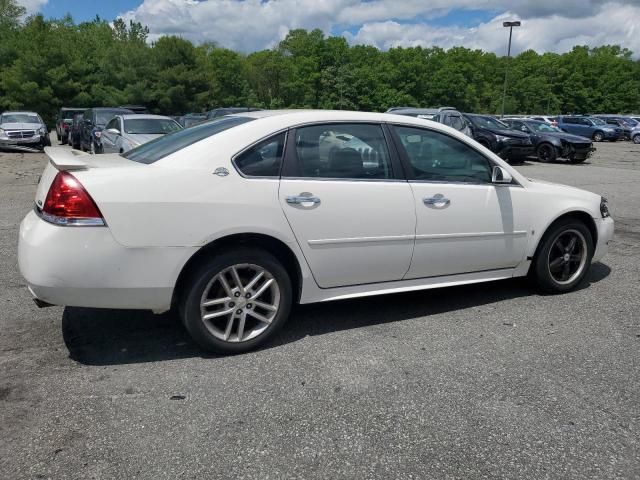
(19, 113)
(136, 116)
(64, 109)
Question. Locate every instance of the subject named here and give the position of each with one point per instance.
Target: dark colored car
(63, 122)
(511, 145)
(592, 128)
(75, 130)
(92, 125)
(191, 119)
(136, 108)
(625, 123)
(551, 143)
(220, 112)
(446, 115)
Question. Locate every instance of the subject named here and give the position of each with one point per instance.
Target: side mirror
(500, 175)
(115, 131)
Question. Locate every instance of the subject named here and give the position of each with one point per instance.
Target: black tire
(546, 153)
(191, 297)
(598, 136)
(576, 160)
(561, 231)
(636, 139)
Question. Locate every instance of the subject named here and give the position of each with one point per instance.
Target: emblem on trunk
(221, 172)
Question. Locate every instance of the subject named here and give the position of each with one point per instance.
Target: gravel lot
(486, 381)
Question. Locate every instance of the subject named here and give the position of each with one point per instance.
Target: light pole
(506, 70)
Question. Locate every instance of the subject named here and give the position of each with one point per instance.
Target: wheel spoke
(572, 244)
(216, 301)
(554, 265)
(263, 288)
(219, 313)
(236, 279)
(575, 258)
(225, 285)
(243, 317)
(266, 306)
(227, 331)
(249, 286)
(559, 245)
(258, 316)
(566, 271)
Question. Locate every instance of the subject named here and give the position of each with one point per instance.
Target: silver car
(23, 131)
(124, 132)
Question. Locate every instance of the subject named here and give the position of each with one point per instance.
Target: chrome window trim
(340, 179)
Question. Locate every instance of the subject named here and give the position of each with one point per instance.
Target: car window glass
(436, 156)
(161, 147)
(112, 124)
(343, 151)
(19, 118)
(264, 159)
(150, 126)
(456, 122)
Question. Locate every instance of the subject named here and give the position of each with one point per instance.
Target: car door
(350, 208)
(522, 127)
(464, 223)
(109, 139)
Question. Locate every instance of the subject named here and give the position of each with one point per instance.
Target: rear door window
(264, 159)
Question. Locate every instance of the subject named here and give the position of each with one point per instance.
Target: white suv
(235, 220)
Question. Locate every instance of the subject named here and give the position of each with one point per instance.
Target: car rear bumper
(605, 235)
(86, 267)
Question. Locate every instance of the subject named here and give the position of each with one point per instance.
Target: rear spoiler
(66, 159)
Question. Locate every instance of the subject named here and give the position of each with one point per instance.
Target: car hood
(566, 136)
(508, 133)
(20, 126)
(141, 138)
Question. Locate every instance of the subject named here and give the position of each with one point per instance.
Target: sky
(250, 25)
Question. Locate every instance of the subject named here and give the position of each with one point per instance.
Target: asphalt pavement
(484, 381)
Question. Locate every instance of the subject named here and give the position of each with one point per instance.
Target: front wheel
(564, 257)
(598, 136)
(546, 153)
(237, 301)
(636, 139)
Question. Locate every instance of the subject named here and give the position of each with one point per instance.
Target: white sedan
(235, 220)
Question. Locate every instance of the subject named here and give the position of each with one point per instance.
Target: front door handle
(303, 199)
(437, 200)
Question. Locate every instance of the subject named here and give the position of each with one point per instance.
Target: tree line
(46, 64)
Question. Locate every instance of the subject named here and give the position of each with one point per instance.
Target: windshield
(543, 127)
(631, 122)
(19, 118)
(163, 146)
(597, 121)
(150, 126)
(68, 114)
(488, 122)
(103, 116)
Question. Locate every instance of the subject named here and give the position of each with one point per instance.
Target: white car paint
(364, 238)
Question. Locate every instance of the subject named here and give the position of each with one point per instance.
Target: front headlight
(604, 208)
(43, 130)
(502, 138)
(1, 132)
(608, 129)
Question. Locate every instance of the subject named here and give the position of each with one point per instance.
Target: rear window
(68, 114)
(161, 147)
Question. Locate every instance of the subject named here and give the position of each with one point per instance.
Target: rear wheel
(564, 256)
(598, 136)
(546, 153)
(636, 139)
(237, 301)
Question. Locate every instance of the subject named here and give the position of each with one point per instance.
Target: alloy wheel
(598, 137)
(567, 256)
(636, 139)
(544, 153)
(240, 302)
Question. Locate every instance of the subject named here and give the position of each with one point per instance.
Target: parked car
(512, 145)
(625, 123)
(136, 108)
(75, 131)
(234, 220)
(551, 143)
(124, 132)
(220, 112)
(592, 128)
(23, 131)
(446, 115)
(191, 119)
(94, 122)
(547, 119)
(635, 134)
(63, 122)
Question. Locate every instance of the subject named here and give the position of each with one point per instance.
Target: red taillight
(68, 203)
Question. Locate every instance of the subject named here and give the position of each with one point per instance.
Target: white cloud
(33, 6)
(248, 25)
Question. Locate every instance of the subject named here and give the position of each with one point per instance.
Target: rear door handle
(437, 200)
(302, 199)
